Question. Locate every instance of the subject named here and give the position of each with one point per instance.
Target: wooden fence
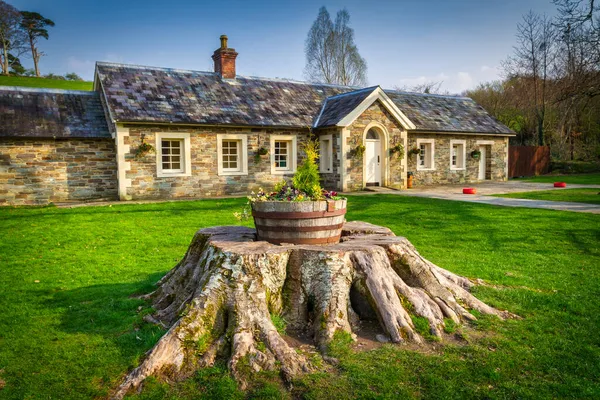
(528, 160)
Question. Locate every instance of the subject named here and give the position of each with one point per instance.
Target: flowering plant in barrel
(300, 212)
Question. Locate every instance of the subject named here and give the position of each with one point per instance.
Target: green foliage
(399, 150)
(72, 76)
(143, 149)
(35, 24)
(574, 167)
(279, 322)
(358, 151)
(306, 178)
(450, 326)
(44, 83)
(340, 345)
(77, 331)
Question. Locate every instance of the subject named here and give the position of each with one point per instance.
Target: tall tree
(531, 60)
(35, 25)
(12, 38)
(331, 54)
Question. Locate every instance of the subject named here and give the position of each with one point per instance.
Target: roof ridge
(45, 90)
(149, 67)
(370, 89)
(443, 96)
(190, 71)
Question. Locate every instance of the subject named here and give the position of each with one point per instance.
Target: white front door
(482, 163)
(373, 154)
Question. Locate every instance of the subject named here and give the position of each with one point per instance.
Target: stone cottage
(159, 133)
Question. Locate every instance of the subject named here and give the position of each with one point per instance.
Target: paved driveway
(485, 189)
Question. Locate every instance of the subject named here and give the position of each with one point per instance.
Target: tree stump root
(218, 301)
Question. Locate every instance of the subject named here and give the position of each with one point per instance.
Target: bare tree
(432, 87)
(531, 60)
(12, 37)
(35, 25)
(331, 54)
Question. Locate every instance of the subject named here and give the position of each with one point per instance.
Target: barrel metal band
(298, 228)
(332, 239)
(297, 214)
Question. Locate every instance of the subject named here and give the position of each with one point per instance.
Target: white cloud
(85, 68)
(454, 82)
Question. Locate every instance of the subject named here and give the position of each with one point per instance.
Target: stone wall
(204, 180)
(331, 180)
(443, 174)
(40, 171)
(354, 165)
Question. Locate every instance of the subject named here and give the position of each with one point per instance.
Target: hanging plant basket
(358, 151)
(476, 154)
(143, 149)
(399, 150)
(415, 151)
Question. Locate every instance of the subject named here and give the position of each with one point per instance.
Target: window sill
(162, 174)
(283, 172)
(233, 173)
(425, 169)
(457, 169)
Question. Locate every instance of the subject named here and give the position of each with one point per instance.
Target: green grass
(44, 83)
(582, 179)
(70, 327)
(589, 196)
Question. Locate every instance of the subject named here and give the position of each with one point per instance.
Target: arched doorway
(373, 158)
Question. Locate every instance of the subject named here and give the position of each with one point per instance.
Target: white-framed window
(458, 154)
(232, 154)
(325, 154)
(283, 154)
(425, 159)
(173, 154)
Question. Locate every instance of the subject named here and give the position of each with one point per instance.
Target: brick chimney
(224, 59)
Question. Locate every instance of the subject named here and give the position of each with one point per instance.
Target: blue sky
(459, 42)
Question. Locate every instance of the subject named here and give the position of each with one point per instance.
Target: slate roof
(148, 94)
(337, 107)
(33, 112)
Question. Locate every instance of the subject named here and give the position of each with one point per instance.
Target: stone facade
(443, 174)
(204, 180)
(331, 180)
(393, 166)
(40, 171)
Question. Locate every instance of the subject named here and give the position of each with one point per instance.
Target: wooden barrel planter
(303, 222)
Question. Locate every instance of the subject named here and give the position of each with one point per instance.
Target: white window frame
(243, 154)
(462, 155)
(326, 167)
(186, 161)
(292, 150)
(429, 166)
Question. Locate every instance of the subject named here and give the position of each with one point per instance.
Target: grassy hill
(44, 83)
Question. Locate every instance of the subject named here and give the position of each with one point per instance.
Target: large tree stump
(218, 300)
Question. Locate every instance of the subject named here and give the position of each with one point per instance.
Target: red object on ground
(560, 184)
(469, 191)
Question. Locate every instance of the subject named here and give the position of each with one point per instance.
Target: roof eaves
(316, 123)
(378, 94)
(447, 132)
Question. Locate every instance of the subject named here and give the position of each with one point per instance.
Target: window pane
(171, 154)
(281, 154)
(230, 154)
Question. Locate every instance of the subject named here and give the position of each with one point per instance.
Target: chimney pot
(224, 59)
(223, 41)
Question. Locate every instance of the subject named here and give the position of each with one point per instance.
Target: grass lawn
(589, 196)
(70, 328)
(582, 179)
(44, 83)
